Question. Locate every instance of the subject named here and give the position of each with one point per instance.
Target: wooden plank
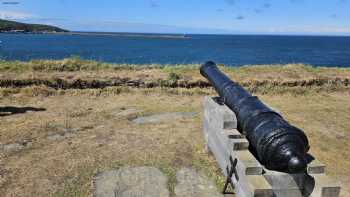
(222, 137)
(240, 144)
(323, 186)
(281, 180)
(286, 185)
(219, 149)
(316, 167)
(248, 170)
(225, 138)
(249, 164)
(219, 155)
(234, 134)
(255, 186)
(220, 116)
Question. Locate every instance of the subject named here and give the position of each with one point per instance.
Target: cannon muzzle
(276, 144)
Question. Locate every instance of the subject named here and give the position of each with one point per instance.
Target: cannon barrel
(275, 143)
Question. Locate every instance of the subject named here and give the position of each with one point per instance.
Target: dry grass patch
(76, 68)
(83, 132)
(96, 135)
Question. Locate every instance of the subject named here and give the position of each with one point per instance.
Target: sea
(231, 50)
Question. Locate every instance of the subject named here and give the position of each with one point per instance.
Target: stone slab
(131, 182)
(191, 183)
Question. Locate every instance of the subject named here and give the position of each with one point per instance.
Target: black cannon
(275, 143)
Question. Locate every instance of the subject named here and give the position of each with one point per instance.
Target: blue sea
(233, 50)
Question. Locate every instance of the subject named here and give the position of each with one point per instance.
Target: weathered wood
(219, 115)
(252, 179)
(229, 140)
(249, 172)
(219, 155)
(255, 186)
(234, 134)
(284, 184)
(323, 186)
(250, 166)
(316, 167)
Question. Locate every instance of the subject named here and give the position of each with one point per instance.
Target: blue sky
(331, 17)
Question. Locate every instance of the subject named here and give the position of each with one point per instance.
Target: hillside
(12, 26)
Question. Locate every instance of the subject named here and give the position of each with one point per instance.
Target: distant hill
(12, 26)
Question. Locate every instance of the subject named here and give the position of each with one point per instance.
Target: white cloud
(311, 30)
(14, 15)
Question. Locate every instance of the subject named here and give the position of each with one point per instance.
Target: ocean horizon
(157, 48)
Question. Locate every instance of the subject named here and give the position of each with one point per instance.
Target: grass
(105, 139)
(73, 69)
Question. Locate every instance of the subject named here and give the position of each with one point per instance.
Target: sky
(315, 17)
